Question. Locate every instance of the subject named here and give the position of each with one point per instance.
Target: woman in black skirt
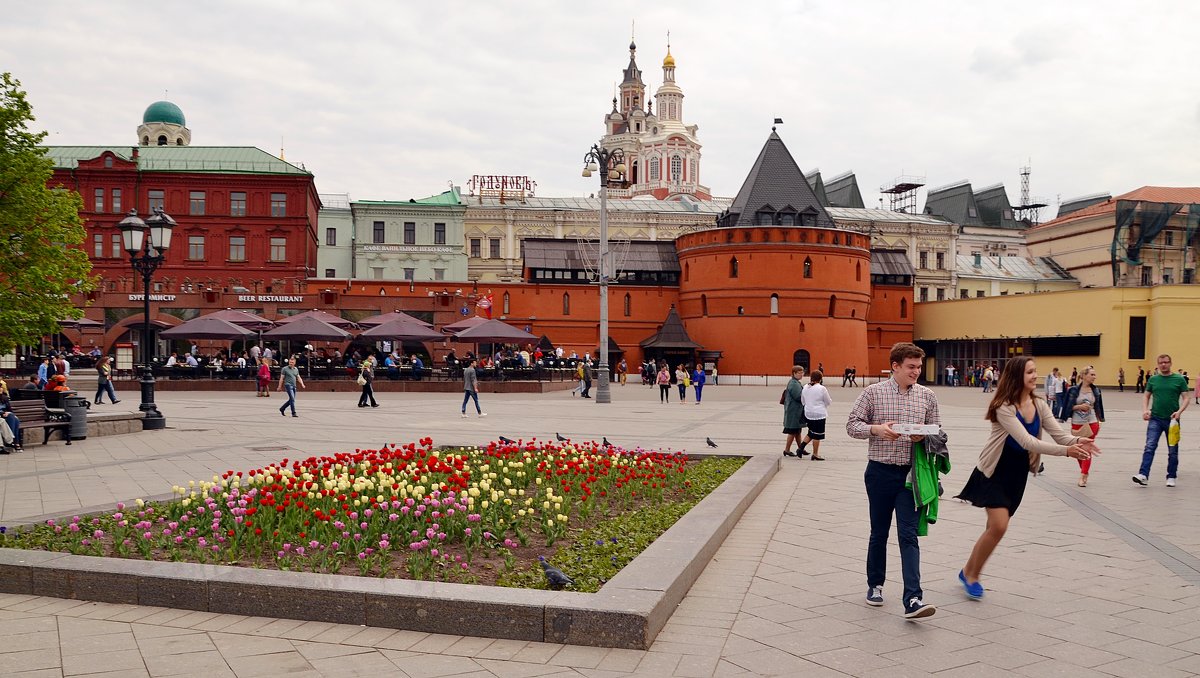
(1012, 452)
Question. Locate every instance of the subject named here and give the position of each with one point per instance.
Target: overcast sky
(392, 100)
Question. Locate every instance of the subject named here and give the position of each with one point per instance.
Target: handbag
(783, 397)
(362, 379)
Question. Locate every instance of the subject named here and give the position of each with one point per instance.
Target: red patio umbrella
(388, 317)
(317, 314)
(403, 330)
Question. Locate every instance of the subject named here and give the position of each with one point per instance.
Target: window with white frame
(653, 162)
(195, 248)
(676, 169)
(116, 201)
(237, 204)
(99, 245)
(278, 249)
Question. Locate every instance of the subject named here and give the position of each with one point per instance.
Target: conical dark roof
(775, 184)
(633, 74)
(671, 335)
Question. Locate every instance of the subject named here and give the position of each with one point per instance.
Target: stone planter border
(627, 612)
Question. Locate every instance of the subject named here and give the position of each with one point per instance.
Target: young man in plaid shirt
(898, 400)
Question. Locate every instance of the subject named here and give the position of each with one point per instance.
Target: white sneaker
(1140, 479)
(483, 414)
(464, 414)
(1170, 482)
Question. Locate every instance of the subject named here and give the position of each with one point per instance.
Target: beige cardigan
(1007, 424)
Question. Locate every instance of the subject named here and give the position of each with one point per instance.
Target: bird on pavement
(606, 443)
(507, 441)
(555, 576)
(560, 438)
(710, 442)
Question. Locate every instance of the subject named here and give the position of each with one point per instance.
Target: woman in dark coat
(793, 411)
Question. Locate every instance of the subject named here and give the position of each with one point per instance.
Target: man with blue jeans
(898, 400)
(289, 376)
(1164, 402)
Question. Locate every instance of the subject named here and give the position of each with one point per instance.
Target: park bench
(33, 414)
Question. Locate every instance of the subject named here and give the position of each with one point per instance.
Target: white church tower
(662, 153)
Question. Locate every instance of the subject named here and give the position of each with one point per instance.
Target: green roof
(449, 198)
(224, 159)
(164, 111)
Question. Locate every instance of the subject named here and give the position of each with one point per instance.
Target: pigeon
(606, 443)
(560, 438)
(710, 442)
(507, 441)
(555, 576)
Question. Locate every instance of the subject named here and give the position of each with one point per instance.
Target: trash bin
(77, 409)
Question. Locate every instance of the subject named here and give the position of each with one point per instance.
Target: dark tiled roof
(775, 182)
(1076, 204)
(671, 335)
(891, 262)
(560, 254)
(955, 202)
(994, 208)
(818, 186)
(843, 191)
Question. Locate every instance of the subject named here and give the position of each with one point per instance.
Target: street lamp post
(611, 164)
(147, 242)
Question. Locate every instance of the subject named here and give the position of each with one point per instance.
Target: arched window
(179, 142)
(787, 219)
(633, 177)
(733, 267)
(764, 218)
(566, 304)
(676, 169)
(704, 305)
(903, 307)
(807, 267)
(628, 305)
(145, 141)
(832, 305)
(837, 239)
(741, 310)
(506, 307)
(162, 140)
(774, 304)
(858, 271)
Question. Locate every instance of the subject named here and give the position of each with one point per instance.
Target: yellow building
(1144, 237)
(1108, 328)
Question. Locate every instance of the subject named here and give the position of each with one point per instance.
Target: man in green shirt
(289, 376)
(1163, 403)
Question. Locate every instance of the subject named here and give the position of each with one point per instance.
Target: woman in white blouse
(816, 408)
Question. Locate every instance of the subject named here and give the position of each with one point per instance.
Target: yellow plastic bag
(1173, 433)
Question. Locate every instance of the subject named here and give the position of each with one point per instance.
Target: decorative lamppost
(147, 242)
(611, 164)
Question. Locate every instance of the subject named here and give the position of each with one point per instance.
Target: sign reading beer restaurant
(285, 298)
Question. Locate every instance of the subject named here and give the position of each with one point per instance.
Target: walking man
(898, 400)
(1165, 400)
(289, 376)
(471, 388)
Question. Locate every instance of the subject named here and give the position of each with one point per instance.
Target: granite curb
(627, 612)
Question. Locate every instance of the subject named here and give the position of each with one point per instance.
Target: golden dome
(669, 61)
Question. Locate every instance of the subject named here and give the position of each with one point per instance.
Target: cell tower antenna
(1031, 207)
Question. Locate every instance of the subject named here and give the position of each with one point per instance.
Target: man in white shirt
(172, 361)
(1053, 383)
(255, 351)
(267, 353)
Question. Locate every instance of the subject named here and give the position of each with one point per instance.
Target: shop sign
(153, 297)
(284, 298)
(419, 249)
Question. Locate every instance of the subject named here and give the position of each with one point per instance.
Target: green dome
(164, 111)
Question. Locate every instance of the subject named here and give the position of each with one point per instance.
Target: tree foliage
(41, 263)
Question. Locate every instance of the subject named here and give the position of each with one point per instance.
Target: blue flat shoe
(973, 591)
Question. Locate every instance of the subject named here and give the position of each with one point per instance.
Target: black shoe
(295, 415)
(281, 413)
(788, 453)
(5, 450)
(374, 404)
(115, 402)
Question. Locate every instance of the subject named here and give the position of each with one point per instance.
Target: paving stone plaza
(1098, 581)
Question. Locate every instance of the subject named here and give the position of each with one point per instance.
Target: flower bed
(412, 511)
